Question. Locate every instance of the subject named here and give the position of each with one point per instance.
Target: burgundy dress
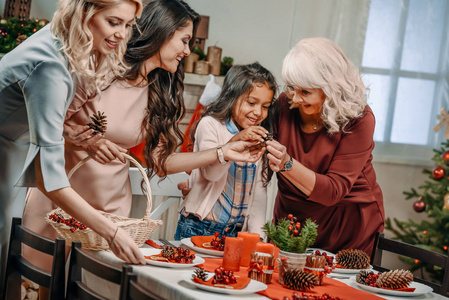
(346, 201)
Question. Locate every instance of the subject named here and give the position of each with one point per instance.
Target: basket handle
(137, 164)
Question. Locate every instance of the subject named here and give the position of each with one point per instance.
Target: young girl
(229, 197)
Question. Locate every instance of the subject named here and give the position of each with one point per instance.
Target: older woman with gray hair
(323, 147)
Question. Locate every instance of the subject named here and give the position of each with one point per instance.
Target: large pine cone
(395, 279)
(299, 280)
(200, 274)
(362, 276)
(352, 259)
(98, 123)
(168, 251)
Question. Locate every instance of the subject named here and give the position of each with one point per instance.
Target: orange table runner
(276, 291)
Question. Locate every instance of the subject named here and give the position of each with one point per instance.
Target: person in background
(228, 197)
(323, 146)
(86, 38)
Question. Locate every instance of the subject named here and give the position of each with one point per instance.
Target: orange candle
(232, 253)
(265, 248)
(250, 240)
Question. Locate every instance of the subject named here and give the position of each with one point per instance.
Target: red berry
(290, 228)
(290, 216)
(295, 231)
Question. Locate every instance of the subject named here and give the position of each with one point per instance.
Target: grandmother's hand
(277, 155)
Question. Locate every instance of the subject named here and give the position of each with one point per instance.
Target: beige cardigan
(208, 182)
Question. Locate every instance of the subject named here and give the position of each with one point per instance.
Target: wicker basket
(139, 229)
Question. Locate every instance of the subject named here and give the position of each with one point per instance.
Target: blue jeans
(192, 226)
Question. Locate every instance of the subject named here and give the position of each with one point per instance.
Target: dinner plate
(350, 271)
(188, 243)
(420, 289)
(312, 251)
(149, 251)
(253, 286)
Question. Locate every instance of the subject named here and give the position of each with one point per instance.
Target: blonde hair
(70, 27)
(319, 63)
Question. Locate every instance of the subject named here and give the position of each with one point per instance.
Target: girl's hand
(183, 186)
(80, 135)
(104, 151)
(243, 151)
(125, 248)
(277, 155)
(252, 133)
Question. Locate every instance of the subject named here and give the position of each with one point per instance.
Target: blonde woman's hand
(252, 133)
(80, 135)
(243, 151)
(277, 155)
(125, 248)
(104, 151)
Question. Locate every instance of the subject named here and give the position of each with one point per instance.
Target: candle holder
(214, 59)
(189, 61)
(201, 67)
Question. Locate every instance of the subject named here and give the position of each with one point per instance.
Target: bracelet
(221, 155)
(113, 239)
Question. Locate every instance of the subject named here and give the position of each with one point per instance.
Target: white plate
(420, 289)
(350, 271)
(149, 251)
(253, 286)
(312, 251)
(189, 244)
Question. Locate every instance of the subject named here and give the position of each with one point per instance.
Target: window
(405, 66)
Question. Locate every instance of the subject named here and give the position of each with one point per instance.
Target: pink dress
(106, 187)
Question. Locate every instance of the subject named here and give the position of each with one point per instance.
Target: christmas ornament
(446, 201)
(438, 173)
(445, 157)
(42, 22)
(352, 259)
(419, 205)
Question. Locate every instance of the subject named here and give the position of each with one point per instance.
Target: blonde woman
(323, 148)
(37, 83)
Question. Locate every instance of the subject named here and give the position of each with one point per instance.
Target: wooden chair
(81, 260)
(134, 290)
(382, 243)
(18, 9)
(17, 266)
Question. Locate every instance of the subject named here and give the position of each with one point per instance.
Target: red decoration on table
(419, 206)
(153, 244)
(438, 173)
(250, 241)
(207, 242)
(224, 279)
(232, 253)
(184, 257)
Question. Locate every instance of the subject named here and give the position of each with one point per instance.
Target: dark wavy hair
(240, 80)
(160, 19)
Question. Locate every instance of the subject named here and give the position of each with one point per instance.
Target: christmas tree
(432, 198)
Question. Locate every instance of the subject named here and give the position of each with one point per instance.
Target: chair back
(133, 290)
(17, 266)
(382, 243)
(80, 261)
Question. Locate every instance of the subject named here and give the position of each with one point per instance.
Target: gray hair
(319, 63)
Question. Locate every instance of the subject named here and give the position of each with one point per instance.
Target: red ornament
(438, 173)
(446, 157)
(419, 206)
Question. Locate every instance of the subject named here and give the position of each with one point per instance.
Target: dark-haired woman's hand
(243, 151)
(252, 133)
(79, 135)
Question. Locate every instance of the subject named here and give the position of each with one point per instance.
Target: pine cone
(168, 251)
(299, 280)
(362, 276)
(395, 279)
(98, 123)
(200, 274)
(352, 259)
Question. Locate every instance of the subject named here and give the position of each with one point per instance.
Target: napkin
(200, 240)
(241, 283)
(153, 244)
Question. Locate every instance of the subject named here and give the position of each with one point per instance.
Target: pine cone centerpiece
(352, 259)
(168, 251)
(299, 280)
(98, 123)
(362, 277)
(395, 279)
(200, 274)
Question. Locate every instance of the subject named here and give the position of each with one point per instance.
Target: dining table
(171, 284)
